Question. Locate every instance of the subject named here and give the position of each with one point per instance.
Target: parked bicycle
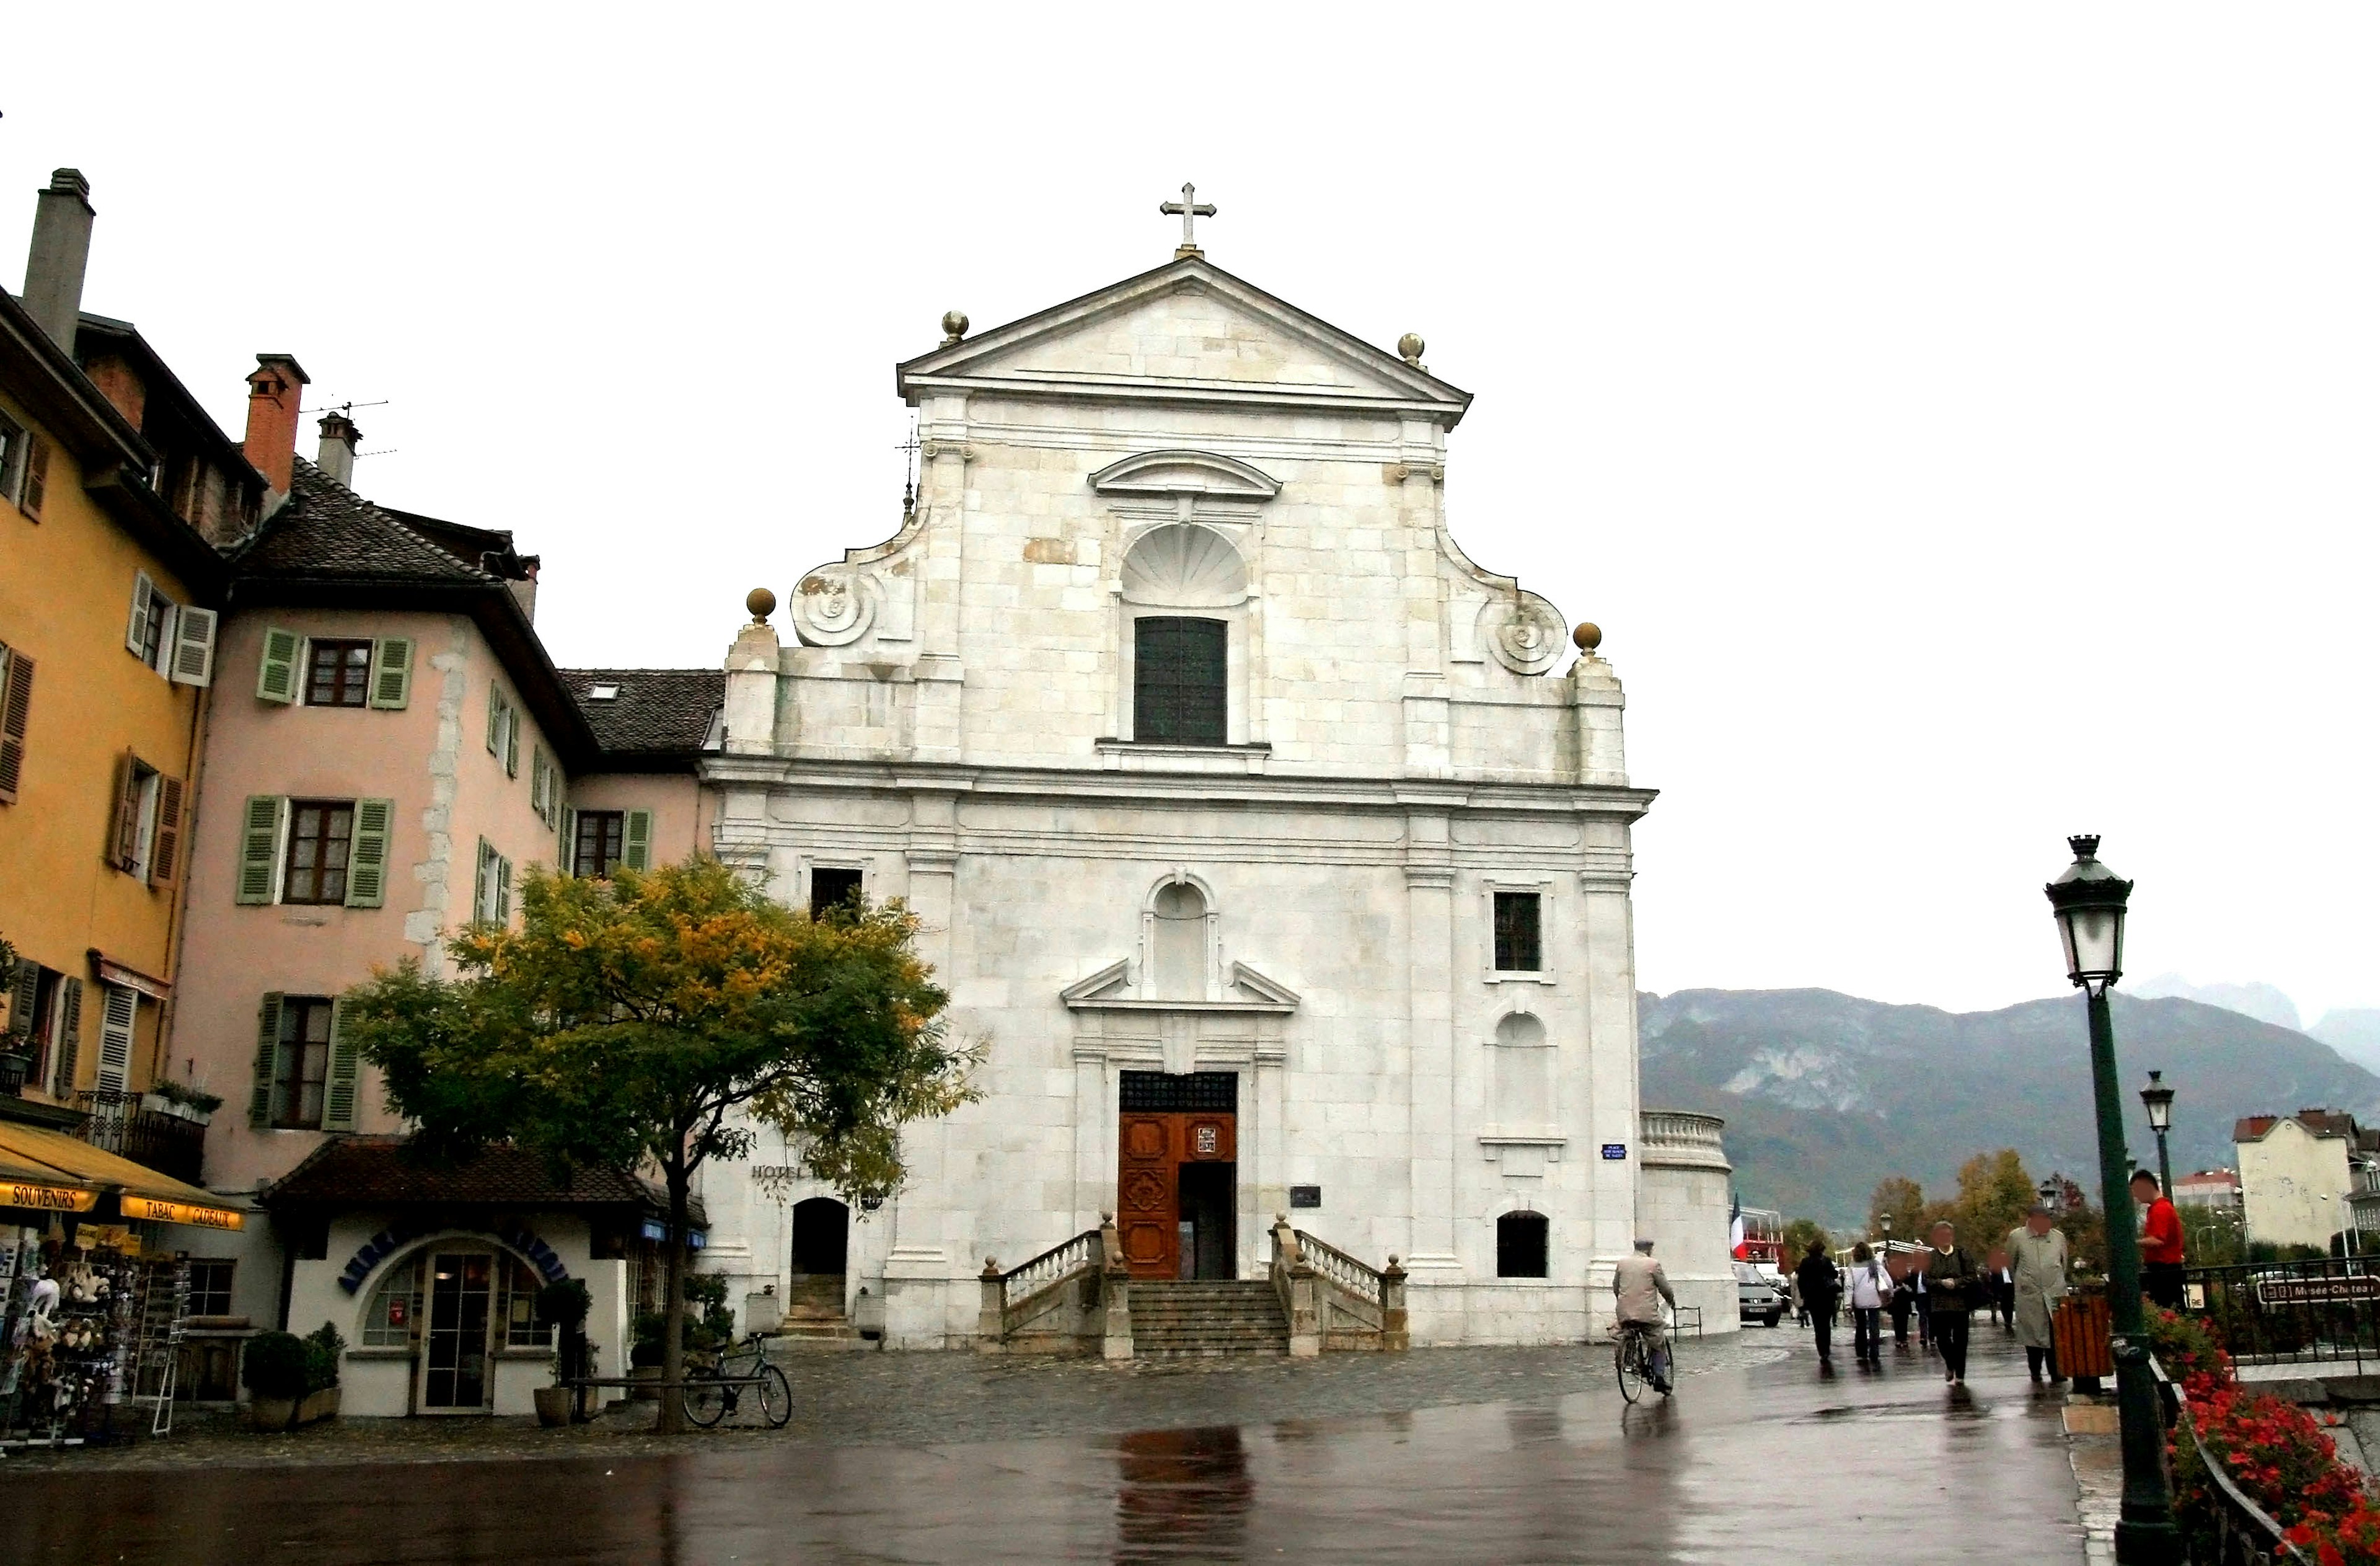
(715, 1386)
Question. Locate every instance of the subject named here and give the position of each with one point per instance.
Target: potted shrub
(292, 1380)
(170, 1098)
(563, 1306)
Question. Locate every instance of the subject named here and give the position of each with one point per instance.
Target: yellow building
(109, 596)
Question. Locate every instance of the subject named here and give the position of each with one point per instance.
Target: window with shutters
(15, 712)
(598, 848)
(33, 490)
(1521, 1244)
(1180, 675)
(119, 1014)
(301, 1063)
(315, 867)
(492, 894)
(37, 999)
(12, 458)
(149, 629)
(339, 673)
(503, 731)
(391, 673)
(133, 838)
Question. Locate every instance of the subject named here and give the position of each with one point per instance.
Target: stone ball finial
(1587, 636)
(1411, 345)
(955, 325)
(762, 603)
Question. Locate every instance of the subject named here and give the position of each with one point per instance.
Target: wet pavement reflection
(1776, 1462)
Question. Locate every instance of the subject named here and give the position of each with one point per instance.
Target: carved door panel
(1145, 1194)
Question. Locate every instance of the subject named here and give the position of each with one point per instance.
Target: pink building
(390, 749)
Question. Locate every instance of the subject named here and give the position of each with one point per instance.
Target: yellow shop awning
(24, 1183)
(142, 1192)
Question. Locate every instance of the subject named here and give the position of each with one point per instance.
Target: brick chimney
(61, 250)
(337, 456)
(274, 393)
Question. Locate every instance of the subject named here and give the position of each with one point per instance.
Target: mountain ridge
(1824, 1094)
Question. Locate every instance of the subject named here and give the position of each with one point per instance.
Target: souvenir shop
(94, 1289)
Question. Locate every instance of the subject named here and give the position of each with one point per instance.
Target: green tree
(1994, 1192)
(2211, 1236)
(1798, 1234)
(1900, 1198)
(642, 1023)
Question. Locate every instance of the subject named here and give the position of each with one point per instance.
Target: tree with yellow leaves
(642, 1023)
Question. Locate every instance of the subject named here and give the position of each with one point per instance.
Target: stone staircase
(1180, 1320)
(813, 1316)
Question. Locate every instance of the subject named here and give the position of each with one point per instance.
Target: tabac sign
(180, 1212)
(47, 1198)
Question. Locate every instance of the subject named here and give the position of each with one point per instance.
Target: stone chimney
(337, 456)
(274, 393)
(53, 269)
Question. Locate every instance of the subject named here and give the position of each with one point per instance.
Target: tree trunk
(673, 1415)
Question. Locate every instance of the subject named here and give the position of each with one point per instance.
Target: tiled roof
(664, 711)
(2317, 1122)
(329, 531)
(382, 1172)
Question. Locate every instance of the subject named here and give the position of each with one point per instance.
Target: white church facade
(1233, 797)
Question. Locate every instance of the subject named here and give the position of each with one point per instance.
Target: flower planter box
(553, 1406)
(288, 1414)
(157, 1103)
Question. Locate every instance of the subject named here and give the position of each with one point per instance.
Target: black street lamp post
(2157, 1099)
(2089, 899)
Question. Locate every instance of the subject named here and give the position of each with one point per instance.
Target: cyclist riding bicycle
(1641, 1287)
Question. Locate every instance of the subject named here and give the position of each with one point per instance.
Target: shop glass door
(454, 1357)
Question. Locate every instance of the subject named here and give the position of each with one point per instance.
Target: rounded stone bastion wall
(1682, 1208)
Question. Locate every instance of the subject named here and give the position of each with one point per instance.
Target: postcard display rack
(87, 1323)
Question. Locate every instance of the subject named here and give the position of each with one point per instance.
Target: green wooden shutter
(391, 673)
(144, 609)
(119, 1006)
(277, 673)
(165, 842)
(511, 742)
(268, 1052)
(567, 859)
(504, 889)
(259, 846)
(339, 1089)
(496, 719)
(636, 843)
(37, 477)
(368, 854)
(15, 711)
(24, 994)
(193, 659)
(479, 889)
(70, 1035)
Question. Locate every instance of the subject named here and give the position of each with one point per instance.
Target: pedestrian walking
(1995, 1272)
(2161, 1247)
(1955, 1284)
(1821, 1286)
(2038, 1265)
(1904, 1300)
(1870, 1287)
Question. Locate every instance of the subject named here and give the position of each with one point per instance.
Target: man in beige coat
(1640, 1288)
(2037, 1267)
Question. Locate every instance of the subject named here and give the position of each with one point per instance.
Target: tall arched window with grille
(1180, 675)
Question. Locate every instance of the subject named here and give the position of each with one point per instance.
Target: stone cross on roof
(1189, 209)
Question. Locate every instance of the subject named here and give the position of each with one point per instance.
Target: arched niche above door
(1184, 565)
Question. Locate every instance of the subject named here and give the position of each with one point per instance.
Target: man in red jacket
(2160, 1241)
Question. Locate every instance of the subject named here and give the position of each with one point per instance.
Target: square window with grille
(320, 833)
(339, 673)
(1520, 1245)
(210, 1286)
(302, 1062)
(1180, 670)
(1517, 946)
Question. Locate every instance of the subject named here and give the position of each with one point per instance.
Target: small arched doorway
(822, 1237)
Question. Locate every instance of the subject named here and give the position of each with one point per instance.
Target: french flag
(1735, 1245)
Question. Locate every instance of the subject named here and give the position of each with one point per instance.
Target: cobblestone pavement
(1447, 1455)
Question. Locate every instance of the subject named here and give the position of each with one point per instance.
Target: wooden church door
(1167, 1122)
(1147, 1217)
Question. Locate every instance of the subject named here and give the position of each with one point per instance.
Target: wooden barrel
(2080, 1327)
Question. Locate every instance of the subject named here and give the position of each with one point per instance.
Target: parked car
(1759, 1296)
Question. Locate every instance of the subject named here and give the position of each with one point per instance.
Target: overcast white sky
(1961, 421)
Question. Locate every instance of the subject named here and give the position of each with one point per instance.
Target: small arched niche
(1523, 1074)
(1178, 943)
(1184, 565)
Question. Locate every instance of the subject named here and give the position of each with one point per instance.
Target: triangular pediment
(1187, 331)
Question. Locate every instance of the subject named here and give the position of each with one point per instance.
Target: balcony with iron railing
(121, 1123)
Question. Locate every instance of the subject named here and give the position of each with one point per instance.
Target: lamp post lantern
(2052, 1196)
(2157, 1099)
(2088, 900)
